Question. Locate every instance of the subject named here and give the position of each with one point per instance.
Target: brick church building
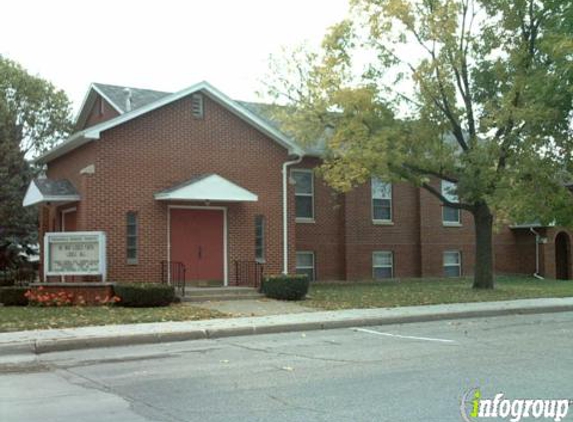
(212, 184)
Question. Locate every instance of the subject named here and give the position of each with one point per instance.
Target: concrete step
(204, 283)
(220, 298)
(203, 294)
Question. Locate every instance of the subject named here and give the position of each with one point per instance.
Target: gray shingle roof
(266, 113)
(139, 97)
(143, 97)
(49, 187)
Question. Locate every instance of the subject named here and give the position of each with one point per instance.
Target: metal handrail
(173, 272)
(248, 273)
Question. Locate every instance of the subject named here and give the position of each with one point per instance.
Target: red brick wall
(324, 236)
(363, 236)
(168, 146)
(435, 238)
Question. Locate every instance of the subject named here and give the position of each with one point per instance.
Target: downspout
(285, 210)
(537, 241)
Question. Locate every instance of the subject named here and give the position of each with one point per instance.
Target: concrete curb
(75, 339)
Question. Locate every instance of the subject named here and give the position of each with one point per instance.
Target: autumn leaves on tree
(474, 92)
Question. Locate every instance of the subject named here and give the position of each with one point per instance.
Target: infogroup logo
(474, 408)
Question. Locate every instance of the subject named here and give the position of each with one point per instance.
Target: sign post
(75, 253)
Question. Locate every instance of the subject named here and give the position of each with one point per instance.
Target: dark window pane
(304, 207)
(451, 271)
(451, 215)
(131, 230)
(382, 259)
(259, 237)
(131, 254)
(308, 271)
(131, 218)
(303, 182)
(382, 209)
(452, 258)
(304, 259)
(131, 242)
(131, 237)
(382, 272)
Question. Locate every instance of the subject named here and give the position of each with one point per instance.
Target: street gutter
(46, 341)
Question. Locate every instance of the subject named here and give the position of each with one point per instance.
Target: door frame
(63, 217)
(199, 207)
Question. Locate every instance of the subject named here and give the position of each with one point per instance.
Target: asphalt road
(412, 372)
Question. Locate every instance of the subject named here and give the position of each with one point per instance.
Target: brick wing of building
(197, 179)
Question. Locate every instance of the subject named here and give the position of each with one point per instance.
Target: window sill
(444, 224)
(132, 262)
(383, 222)
(305, 220)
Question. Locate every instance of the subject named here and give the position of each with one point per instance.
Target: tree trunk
(483, 219)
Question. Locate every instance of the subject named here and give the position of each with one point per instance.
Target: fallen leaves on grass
(14, 318)
(413, 292)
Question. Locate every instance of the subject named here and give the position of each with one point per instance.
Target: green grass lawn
(18, 318)
(430, 291)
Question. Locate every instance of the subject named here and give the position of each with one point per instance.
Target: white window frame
(372, 198)
(313, 267)
(458, 265)
(311, 195)
(63, 217)
(444, 187)
(391, 266)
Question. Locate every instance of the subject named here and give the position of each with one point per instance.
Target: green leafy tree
(34, 115)
(474, 92)
(17, 224)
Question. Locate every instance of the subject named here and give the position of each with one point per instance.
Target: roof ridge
(100, 84)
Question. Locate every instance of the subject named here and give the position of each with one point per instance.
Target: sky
(165, 45)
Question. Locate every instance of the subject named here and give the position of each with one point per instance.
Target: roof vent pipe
(127, 93)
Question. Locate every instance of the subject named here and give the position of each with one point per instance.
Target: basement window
(305, 264)
(197, 106)
(382, 264)
(452, 264)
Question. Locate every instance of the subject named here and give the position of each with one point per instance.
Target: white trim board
(88, 103)
(209, 188)
(63, 217)
(225, 235)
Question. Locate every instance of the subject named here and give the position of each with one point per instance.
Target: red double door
(197, 240)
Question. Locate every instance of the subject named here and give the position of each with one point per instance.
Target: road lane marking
(378, 333)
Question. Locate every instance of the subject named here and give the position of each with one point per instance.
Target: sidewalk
(45, 341)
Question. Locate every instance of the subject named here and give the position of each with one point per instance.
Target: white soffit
(210, 187)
